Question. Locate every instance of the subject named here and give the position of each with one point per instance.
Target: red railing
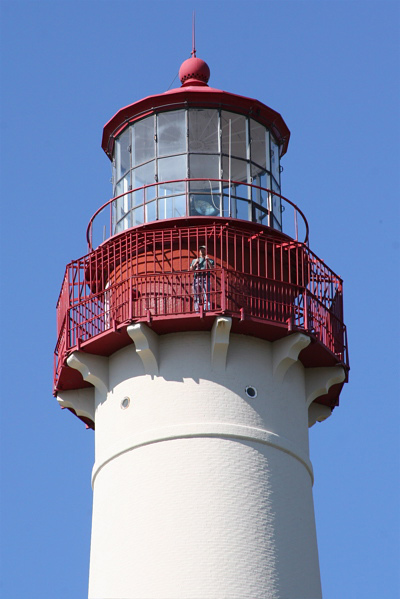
(101, 225)
(176, 295)
(137, 276)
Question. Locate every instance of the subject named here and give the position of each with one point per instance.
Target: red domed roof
(194, 71)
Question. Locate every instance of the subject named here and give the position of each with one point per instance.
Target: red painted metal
(194, 71)
(269, 284)
(198, 96)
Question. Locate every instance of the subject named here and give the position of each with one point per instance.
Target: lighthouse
(200, 337)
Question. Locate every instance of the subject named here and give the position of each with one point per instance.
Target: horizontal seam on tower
(222, 430)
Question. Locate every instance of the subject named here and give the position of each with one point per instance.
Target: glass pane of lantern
(275, 160)
(258, 147)
(260, 196)
(122, 154)
(144, 175)
(137, 216)
(204, 204)
(143, 146)
(171, 133)
(255, 171)
(176, 206)
(225, 205)
(239, 137)
(238, 169)
(203, 131)
(162, 208)
(267, 138)
(151, 211)
(122, 206)
(201, 166)
(170, 169)
(276, 207)
(241, 191)
(261, 216)
(172, 207)
(123, 185)
(122, 224)
(204, 195)
(275, 187)
(242, 210)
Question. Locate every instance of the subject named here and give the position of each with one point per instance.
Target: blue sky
(332, 69)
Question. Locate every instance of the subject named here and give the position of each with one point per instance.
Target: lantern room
(220, 151)
(196, 151)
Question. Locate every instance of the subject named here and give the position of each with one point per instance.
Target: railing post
(305, 310)
(130, 299)
(111, 209)
(223, 291)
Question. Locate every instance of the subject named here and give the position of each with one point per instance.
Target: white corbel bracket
(79, 400)
(146, 346)
(93, 369)
(320, 380)
(285, 352)
(220, 341)
(318, 413)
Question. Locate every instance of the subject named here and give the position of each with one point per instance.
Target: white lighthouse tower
(200, 337)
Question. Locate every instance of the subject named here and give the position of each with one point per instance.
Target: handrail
(89, 231)
(173, 295)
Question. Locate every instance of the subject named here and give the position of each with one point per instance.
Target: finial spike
(194, 35)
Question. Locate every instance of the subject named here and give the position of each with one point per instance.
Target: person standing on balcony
(201, 284)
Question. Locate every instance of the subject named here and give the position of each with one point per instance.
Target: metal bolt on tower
(200, 337)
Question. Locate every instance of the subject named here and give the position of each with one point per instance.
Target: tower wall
(200, 491)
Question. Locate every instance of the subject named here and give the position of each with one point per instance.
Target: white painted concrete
(80, 400)
(199, 491)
